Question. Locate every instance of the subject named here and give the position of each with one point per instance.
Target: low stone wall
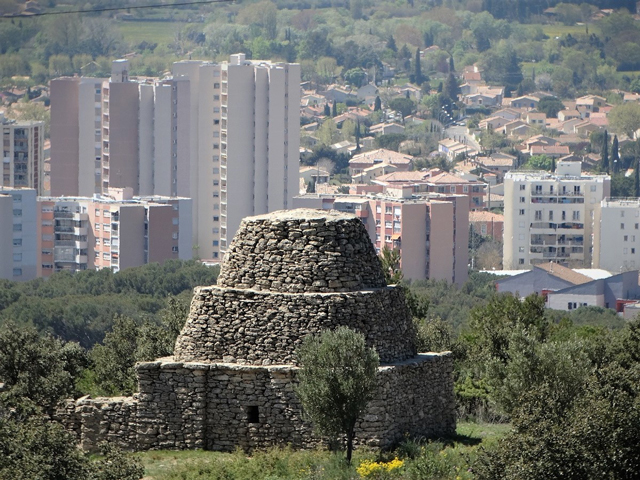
(309, 251)
(264, 328)
(224, 406)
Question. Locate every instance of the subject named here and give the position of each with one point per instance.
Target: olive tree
(337, 381)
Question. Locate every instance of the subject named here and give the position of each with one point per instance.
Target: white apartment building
(18, 237)
(22, 154)
(616, 245)
(248, 139)
(550, 217)
(226, 135)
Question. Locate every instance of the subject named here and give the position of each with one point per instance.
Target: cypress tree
(334, 109)
(358, 135)
(417, 74)
(605, 152)
(615, 155)
(637, 179)
(451, 65)
(327, 110)
(378, 104)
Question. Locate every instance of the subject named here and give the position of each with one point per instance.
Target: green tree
(615, 155)
(337, 381)
(404, 105)
(42, 369)
(354, 77)
(390, 261)
(451, 89)
(605, 152)
(418, 79)
(390, 141)
(625, 118)
(377, 106)
(328, 132)
(334, 109)
(550, 106)
(636, 178)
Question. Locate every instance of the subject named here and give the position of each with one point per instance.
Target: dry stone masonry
(231, 381)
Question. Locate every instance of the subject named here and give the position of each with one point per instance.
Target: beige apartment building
(550, 217)
(431, 231)
(616, 244)
(22, 154)
(226, 135)
(18, 235)
(115, 232)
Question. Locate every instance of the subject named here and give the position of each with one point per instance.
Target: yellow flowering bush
(379, 470)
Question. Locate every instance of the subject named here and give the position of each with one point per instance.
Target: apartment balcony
(571, 226)
(62, 214)
(82, 231)
(81, 259)
(63, 229)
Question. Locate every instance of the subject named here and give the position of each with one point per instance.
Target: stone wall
(185, 405)
(305, 251)
(264, 328)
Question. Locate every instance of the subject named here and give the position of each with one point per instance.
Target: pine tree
(605, 152)
(391, 44)
(615, 155)
(377, 105)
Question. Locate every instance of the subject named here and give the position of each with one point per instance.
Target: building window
(253, 414)
(551, 215)
(622, 226)
(17, 227)
(622, 213)
(98, 241)
(538, 215)
(625, 238)
(106, 214)
(174, 235)
(521, 249)
(576, 215)
(633, 250)
(215, 243)
(593, 188)
(107, 242)
(522, 200)
(538, 188)
(97, 226)
(625, 251)
(106, 256)
(388, 224)
(216, 219)
(17, 212)
(522, 187)
(174, 249)
(174, 221)
(576, 189)
(17, 242)
(521, 261)
(521, 212)
(378, 209)
(636, 226)
(465, 188)
(452, 189)
(17, 257)
(97, 212)
(388, 209)
(17, 272)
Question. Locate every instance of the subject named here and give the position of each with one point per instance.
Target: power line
(111, 9)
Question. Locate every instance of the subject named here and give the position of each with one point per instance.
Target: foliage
(550, 106)
(625, 118)
(539, 162)
(80, 307)
(337, 381)
(42, 369)
(379, 470)
(404, 105)
(33, 446)
(390, 141)
(390, 262)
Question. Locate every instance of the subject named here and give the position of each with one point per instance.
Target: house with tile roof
(487, 224)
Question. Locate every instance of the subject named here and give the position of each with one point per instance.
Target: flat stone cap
(300, 251)
(301, 214)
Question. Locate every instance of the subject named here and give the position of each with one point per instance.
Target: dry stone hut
(286, 275)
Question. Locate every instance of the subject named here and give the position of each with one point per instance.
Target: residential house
(528, 102)
(361, 161)
(487, 224)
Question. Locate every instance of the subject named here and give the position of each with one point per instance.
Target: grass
(151, 32)
(451, 459)
(559, 30)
